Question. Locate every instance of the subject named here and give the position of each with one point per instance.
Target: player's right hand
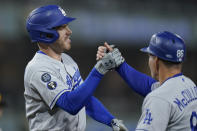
(114, 52)
(117, 56)
(102, 50)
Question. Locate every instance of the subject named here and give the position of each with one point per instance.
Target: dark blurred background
(129, 24)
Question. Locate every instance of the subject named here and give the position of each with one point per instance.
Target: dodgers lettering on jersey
(45, 80)
(74, 81)
(170, 107)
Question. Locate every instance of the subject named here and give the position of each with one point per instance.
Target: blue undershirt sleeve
(96, 110)
(75, 100)
(136, 80)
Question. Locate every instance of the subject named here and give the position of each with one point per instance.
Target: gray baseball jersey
(45, 80)
(170, 107)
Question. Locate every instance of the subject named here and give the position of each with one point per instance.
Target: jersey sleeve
(139, 82)
(155, 115)
(48, 86)
(96, 110)
(73, 101)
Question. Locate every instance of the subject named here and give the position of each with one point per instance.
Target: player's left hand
(117, 56)
(102, 50)
(118, 125)
(105, 64)
(113, 51)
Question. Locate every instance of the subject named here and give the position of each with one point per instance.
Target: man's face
(63, 43)
(153, 66)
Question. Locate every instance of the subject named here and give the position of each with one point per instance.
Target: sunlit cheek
(151, 66)
(149, 63)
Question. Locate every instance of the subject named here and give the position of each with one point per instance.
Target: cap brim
(68, 19)
(145, 50)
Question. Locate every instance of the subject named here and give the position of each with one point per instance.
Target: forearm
(136, 80)
(74, 100)
(96, 110)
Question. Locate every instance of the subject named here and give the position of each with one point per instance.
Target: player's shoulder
(171, 87)
(39, 62)
(158, 95)
(68, 60)
(35, 60)
(162, 90)
(155, 85)
(67, 57)
(188, 81)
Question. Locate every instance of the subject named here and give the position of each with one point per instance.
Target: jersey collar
(52, 59)
(179, 74)
(41, 52)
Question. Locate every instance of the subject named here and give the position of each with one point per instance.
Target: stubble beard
(61, 46)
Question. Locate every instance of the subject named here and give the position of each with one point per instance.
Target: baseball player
(171, 104)
(56, 96)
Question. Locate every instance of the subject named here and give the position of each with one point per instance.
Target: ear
(157, 63)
